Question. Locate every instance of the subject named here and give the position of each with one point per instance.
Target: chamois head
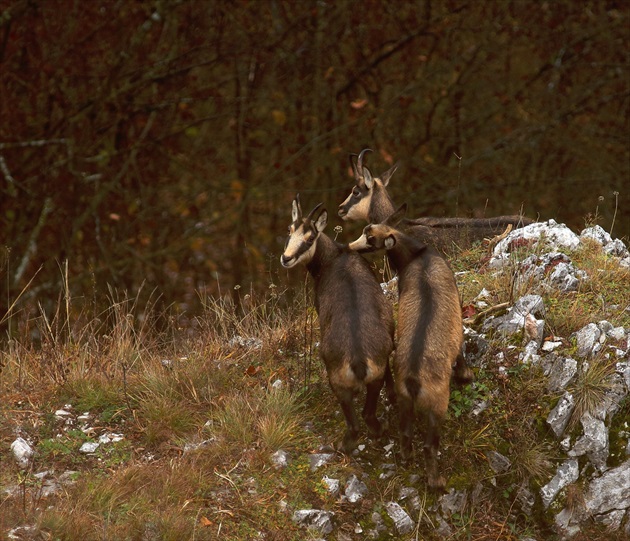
(303, 234)
(379, 236)
(357, 204)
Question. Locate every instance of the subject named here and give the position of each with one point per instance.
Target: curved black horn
(353, 164)
(310, 214)
(360, 159)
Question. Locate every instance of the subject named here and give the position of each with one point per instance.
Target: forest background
(153, 148)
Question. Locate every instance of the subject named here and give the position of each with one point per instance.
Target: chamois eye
(356, 192)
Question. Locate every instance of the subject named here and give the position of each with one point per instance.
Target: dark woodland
(153, 148)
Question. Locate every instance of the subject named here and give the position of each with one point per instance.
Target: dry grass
(202, 415)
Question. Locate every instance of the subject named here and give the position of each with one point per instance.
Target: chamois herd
(356, 319)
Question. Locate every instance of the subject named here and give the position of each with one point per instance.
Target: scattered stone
(587, 337)
(411, 496)
(389, 470)
(551, 345)
(355, 489)
(529, 354)
(314, 519)
(606, 500)
(597, 233)
(280, 459)
(194, 445)
(525, 498)
(514, 320)
(22, 451)
(561, 373)
(89, 447)
(402, 521)
(453, 503)
(379, 524)
(62, 414)
(594, 442)
(475, 347)
(24, 532)
(617, 248)
(623, 369)
(567, 473)
(332, 485)
(167, 363)
(498, 462)
(559, 416)
(110, 437)
(317, 460)
(249, 343)
(554, 236)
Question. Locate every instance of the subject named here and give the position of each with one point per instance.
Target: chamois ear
(390, 242)
(321, 221)
(395, 218)
(388, 174)
(296, 209)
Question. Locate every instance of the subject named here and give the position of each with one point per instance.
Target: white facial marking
(359, 244)
(297, 239)
(360, 210)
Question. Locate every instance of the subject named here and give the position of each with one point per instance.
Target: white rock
(549, 346)
(587, 337)
(332, 485)
(355, 489)
(596, 233)
(594, 442)
(498, 462)
(562, 371)
(318, 460)
(280, 459)
(567, 473)
(559, 416)
(554, 235)
(402, 521)
(89, 447)
(62, 414)
(314, 519)
(22, 451)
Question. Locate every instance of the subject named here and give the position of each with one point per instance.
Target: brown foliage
(163, 145)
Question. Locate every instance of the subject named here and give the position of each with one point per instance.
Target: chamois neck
(326, 250)
(381, 205)
(406, 250)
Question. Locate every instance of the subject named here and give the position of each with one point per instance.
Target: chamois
(369, 201)
(429, 335)
(356, 320)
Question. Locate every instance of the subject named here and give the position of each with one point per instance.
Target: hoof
(375, 428)
(437, 484)
(348, 444)
(464, 377)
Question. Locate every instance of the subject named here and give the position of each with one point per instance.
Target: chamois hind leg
(369, 409)
(435, 481)
(349, 442)
(407, 421)
(462, 372)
